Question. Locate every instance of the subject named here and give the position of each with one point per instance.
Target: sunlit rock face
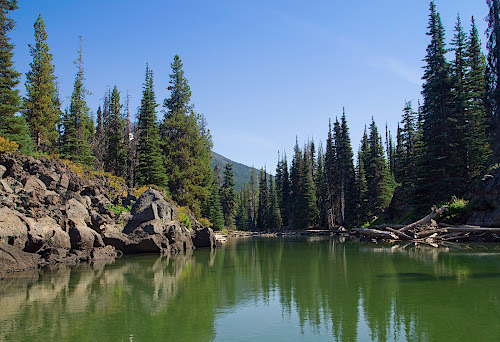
(63, 217)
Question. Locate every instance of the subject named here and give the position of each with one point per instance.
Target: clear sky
(261, 71)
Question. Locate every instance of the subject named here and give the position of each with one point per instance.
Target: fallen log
(473, 229)
(375, 233)
(427, 233)
(435, 212)
(384, 226)
(400, 234)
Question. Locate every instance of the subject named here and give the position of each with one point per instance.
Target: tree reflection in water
(324, 288)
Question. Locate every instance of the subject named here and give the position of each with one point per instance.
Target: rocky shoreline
(51, 214)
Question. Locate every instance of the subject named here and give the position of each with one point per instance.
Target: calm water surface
(264, 290)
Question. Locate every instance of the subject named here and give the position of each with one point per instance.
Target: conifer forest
(440, 146)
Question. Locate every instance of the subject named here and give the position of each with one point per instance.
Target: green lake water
(276, 289)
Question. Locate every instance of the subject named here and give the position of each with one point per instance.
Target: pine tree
(130, 144)
(186, 151)
(150, 169)
(115, 160)
(40, 107)
(12, 127)
(493, 71)
(406, 150)
(275, 221)
(380, 186)
(458, 147)
(241, 219)
(321, 188)
(78, 126)
(361, 185)
(263, 209)
(306, 206)
(228, 200)
(330, 174)
(476, 130)
(215, 214)
(254, 197)
(98, 145)
(296, 179)
(346, 173)
(435, 171)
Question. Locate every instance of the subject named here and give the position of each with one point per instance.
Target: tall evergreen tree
(275, 221)
(215, 214)
(458, 147)
(330, 177)
(98, 145)
(263, 209)
(241, 219)
(186, 151)
(78, 125)
(150, 169)
(40, 107)
(115, 161)
(436, 180)
(12, 127)
(476, 131)
(406, 151)
(228, 200)
(380, 186)
(493, 71)
(306, 205)
(346, 173)
(254, 197)
(296, 180)
(321, 189)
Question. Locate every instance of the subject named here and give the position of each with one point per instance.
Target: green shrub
(205, 222)
(458, 211)
(118, 209)
(8, 146)
(183, 217)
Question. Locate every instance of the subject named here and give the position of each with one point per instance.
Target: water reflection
(344, 291)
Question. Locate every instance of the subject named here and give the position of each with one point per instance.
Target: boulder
(4, 186)
(32, 183)
(13, 230)
(2, 170)
(103, 253)
(136, 243)
(179, 238)
(45, 233)
(165, 210)
(82, 237)
(52, 198)
(63, 183)
(50, 179)
(203, 238)
(14, 259)
(77, 210)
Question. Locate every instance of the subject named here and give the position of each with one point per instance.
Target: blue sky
(262, 72)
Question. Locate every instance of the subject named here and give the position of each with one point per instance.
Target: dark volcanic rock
(14, 259)
(53, 215)
(204, 237)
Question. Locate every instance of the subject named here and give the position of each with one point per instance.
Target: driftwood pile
(427, 231)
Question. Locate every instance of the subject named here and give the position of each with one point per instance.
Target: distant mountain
(242, 173)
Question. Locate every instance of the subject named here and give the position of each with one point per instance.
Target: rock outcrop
(485, 196)
(50, 214)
